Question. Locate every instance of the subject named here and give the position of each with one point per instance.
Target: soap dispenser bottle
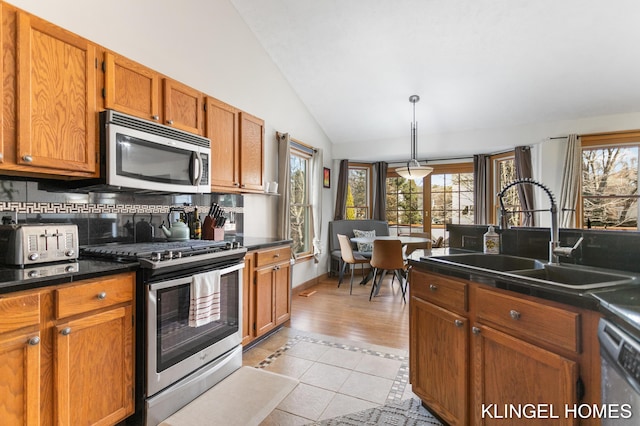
(491, 241)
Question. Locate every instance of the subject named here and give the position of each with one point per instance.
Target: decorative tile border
(86, 208)
(399, 383)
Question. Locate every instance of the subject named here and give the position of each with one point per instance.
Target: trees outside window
(610, 181)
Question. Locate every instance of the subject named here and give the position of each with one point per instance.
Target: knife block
(218, 234)
(208, 228)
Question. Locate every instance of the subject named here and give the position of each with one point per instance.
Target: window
(405, 204)
(504, 172)
(451, 198)
(359, 192)
(610, 181)
(300, 207)
(445, 196)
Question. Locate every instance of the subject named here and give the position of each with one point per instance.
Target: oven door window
(176, 340)
(153, 162)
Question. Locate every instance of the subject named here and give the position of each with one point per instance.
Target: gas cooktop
(154, 254)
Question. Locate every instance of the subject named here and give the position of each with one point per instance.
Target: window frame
(604, 140)
(495, 183)
(308, 231)
(448, 168)
(369, 168)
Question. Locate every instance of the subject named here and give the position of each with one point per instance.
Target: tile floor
(337, 377)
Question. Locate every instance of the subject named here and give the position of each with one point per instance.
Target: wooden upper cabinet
(131, 88)
(183, 107)
(223, 128)
(251, 152)
(56, 80)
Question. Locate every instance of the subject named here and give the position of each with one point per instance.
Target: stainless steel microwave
(141, 154)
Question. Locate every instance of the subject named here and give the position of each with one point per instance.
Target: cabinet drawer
(531, 320)
(95, 294)
(440, 290)
(274, 255)
(19, 311)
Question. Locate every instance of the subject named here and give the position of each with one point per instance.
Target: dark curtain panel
(524, 169)
(380, 191)
(341, 191)
(482, 189)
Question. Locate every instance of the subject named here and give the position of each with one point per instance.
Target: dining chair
(387, 256)
(349, 258)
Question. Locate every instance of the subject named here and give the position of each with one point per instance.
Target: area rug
(245, 398)
(404, 413)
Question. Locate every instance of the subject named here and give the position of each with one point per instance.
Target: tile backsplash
(110, 217)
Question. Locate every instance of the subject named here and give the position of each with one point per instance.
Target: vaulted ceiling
(476, 64)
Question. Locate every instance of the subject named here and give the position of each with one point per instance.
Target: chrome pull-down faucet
(555, 249)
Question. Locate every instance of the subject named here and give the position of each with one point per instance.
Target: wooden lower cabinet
(267, 291)
(512, 372)
(439, 361)
(473, 359)
(66, 353)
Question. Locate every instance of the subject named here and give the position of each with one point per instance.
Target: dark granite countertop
(256, 243)
(16, 279)
(620, 303)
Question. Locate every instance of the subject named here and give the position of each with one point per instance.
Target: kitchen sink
(575, 276)
(537, 271)
(492, 262)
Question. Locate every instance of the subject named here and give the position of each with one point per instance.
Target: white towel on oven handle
(204, 304)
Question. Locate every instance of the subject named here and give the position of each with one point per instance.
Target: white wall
(206, 45)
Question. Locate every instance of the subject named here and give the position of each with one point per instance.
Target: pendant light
(414, 170)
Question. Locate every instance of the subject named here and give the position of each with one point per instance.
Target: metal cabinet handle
(155, 117)
(276, 268)
(243, 186)
(236, 184)
(276, 255)
(433, 287)
(102, 295)
(475, 330)
(34, 340)
(27, 158)
(65, 331)
(458, 323)
(514, 314)
(170, 122)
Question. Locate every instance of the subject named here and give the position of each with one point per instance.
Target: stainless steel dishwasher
(620, 365)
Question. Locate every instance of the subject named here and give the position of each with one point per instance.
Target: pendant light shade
(413, 169)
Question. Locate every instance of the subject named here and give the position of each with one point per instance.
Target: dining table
(404, 240)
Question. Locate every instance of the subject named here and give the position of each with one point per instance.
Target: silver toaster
(29, 244)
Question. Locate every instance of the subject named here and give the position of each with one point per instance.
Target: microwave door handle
(196, 168)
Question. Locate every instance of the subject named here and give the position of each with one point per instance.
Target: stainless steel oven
(176, 362)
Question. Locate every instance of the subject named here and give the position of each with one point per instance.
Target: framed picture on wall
(326, 178)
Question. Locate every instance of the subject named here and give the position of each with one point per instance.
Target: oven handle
(187, 280)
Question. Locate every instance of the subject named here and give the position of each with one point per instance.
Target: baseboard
(308, 284)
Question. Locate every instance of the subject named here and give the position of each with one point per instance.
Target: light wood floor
(332, 311)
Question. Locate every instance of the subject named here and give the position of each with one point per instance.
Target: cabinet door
(222, 129)
(183, 107)
(282, 300)
(93, 368)
(265, 294)
(57, 99)
(247, 300)
(251, 152)
(131, 88)
(20, 379)
(439, 359)
(508, 370)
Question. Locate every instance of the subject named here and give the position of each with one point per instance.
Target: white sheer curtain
(570, 182)
(317, 175)
(284, 173)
